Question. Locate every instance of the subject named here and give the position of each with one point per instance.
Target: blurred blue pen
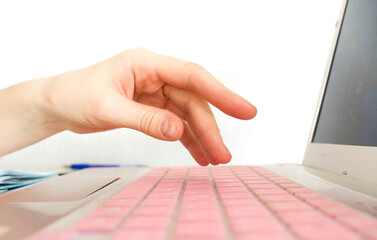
(87, 165)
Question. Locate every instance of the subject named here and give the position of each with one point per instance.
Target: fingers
(201, 122)
(190, 139)
(191, 76)
(155, 122)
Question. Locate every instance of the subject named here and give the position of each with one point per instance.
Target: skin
(161, 96)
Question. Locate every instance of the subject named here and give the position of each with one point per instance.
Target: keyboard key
(305, 196)
(239, 189)
(110, 211)
(153, 211)
(198, 205)
(239, 202)
(256, 211)
(193, 229)
(263, 186)
(315, 232)
(235, 195)
(266, 236)
(282, 181)
(277, 198)
(188, 237)
(98, 224)
(163, 202)
(147, 222)
(288, 206)
(290, 185)
(257, 181)
(140, 235)
(268, 191)
(256, 225)
(321, 202)
(120, 202)
(199, 215)
(311, 217)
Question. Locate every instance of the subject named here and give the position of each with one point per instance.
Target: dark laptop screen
(348, 113)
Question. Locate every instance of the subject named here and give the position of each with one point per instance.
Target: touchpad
(59, 189)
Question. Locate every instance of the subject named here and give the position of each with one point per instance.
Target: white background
(273, 53)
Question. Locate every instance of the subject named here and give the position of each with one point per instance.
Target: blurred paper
(10, 180)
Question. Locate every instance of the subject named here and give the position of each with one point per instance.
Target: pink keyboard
(219, 203)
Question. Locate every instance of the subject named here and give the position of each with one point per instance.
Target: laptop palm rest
(59, 189)
(45, 202)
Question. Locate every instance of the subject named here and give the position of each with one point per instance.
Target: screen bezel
(353, 161)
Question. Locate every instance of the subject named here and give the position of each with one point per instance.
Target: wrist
(41, 109)
(25, 119)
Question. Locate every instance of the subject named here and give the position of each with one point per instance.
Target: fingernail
(169, 128)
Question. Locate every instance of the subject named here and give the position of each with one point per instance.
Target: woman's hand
(160, 96)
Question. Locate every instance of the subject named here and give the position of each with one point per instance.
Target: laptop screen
(348, 113)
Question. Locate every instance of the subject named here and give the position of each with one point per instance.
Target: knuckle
(193, 71)
(182, 113)
(193, 66)
(130, 56)
(136, 52)
(170, 105)
(194, 102)
(190, 104)
(146, 121)
(205, 132)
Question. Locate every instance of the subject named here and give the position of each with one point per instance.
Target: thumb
(155, 122)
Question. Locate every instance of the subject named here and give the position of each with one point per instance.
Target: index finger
(195, 78)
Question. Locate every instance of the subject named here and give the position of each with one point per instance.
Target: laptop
(332, 195)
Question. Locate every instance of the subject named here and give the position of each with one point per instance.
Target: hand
(163, 97)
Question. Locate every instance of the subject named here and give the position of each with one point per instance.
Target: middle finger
(202, 120)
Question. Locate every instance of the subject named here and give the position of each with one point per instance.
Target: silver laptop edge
(343, 172)
(356, 162)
